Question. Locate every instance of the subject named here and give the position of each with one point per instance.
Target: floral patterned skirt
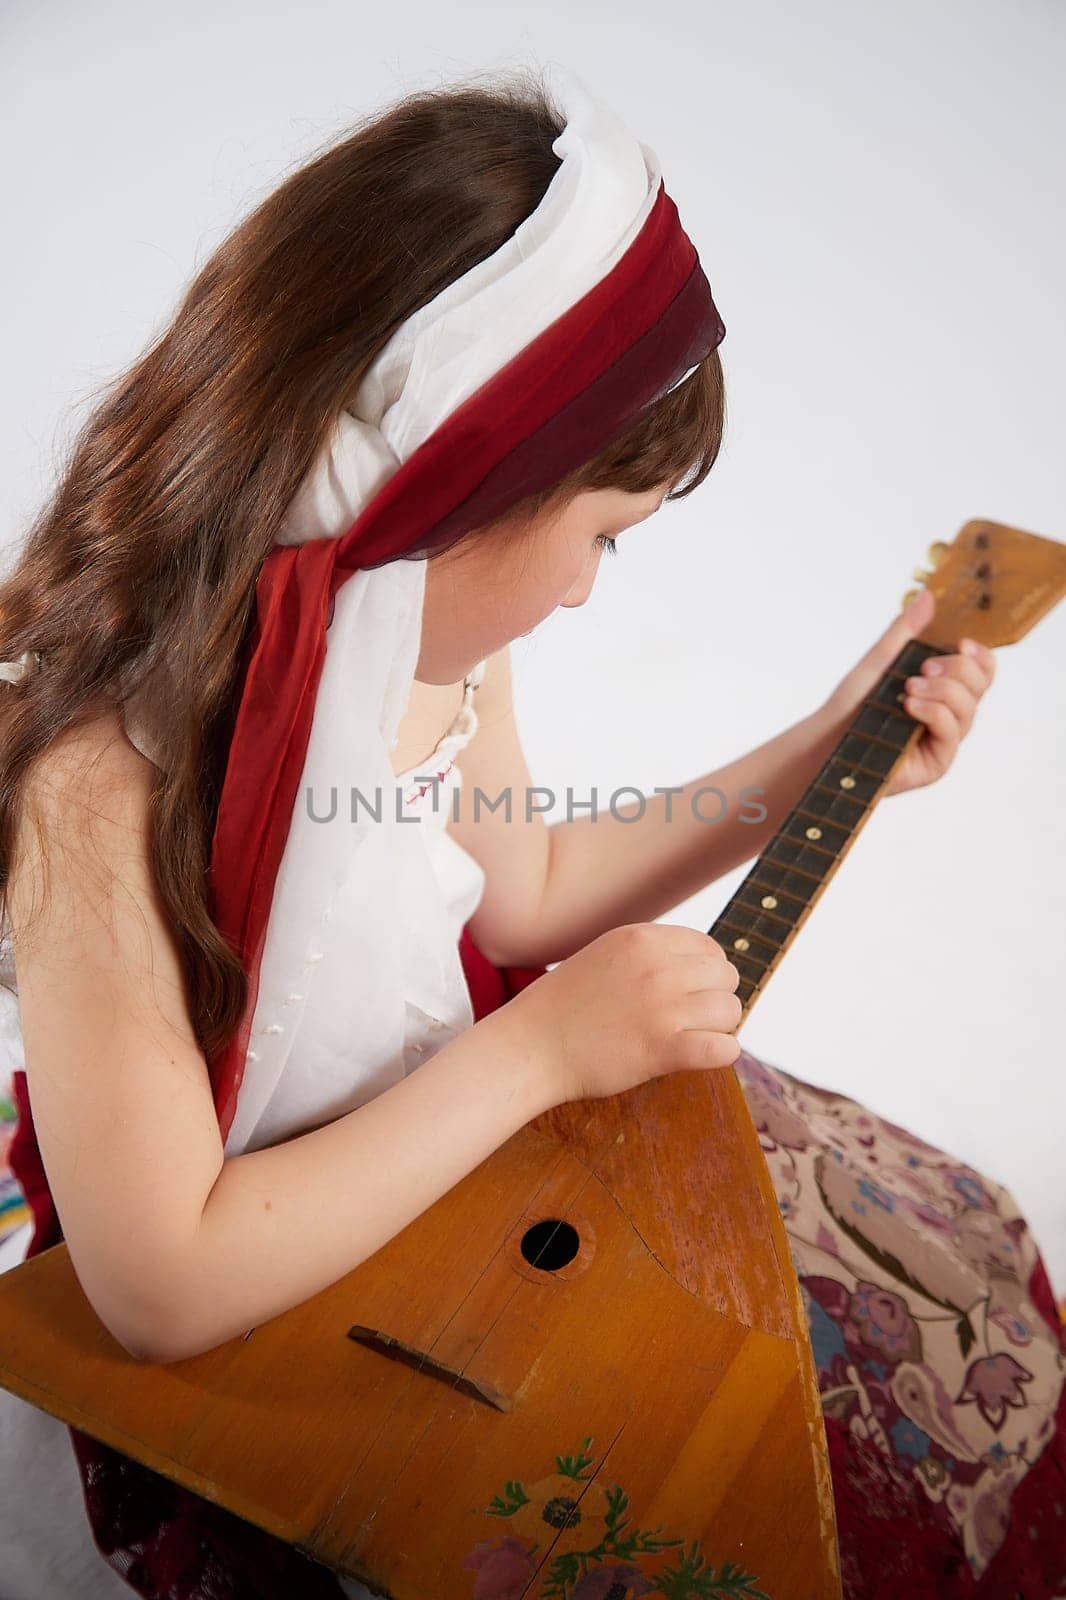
(941, 1356)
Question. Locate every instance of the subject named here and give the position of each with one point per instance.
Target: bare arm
(178, 1249)
(608, 870)
(553, 887)
(284, 1223)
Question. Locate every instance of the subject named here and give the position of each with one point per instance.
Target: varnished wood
(682, 1356)
(418, 1407)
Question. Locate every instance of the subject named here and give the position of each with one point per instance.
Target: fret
(746, 990)
(820, 819)
(833, 806)
(771, 876)
(892, 710)
(752, 975)
(894, 683)
(914, 652)
(769, 906)
(755, 965)
(891, 729)
(777, 908)
(807, 828)
(860, 786)
(894, 680)
(877, 759)
(842, 807)
(776, 927)
(805, 860)
(755, 948)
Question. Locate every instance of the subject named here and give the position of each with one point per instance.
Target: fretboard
(768, 909)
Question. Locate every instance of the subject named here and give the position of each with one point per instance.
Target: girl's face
(498, 586)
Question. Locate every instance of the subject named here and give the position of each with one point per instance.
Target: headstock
(993, 583)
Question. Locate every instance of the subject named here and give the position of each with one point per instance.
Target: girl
(374, 343)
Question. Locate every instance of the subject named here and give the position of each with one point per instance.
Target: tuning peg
(936, 553)
(920, 575)
(907, 598)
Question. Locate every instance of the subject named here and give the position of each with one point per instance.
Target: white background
(875, 192)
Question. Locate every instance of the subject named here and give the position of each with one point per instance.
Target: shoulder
(84, 816)
(90, 772)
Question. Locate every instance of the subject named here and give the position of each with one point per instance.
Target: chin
(439, 669)
(440, 674)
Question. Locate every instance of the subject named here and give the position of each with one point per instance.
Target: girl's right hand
(638, 1002)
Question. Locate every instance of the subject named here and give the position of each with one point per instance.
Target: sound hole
(550, 1244)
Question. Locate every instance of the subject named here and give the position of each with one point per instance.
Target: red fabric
(24, 1159)
(892, 1546)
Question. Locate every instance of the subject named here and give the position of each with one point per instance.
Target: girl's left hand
(944, 696)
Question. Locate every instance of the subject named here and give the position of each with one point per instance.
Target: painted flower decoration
(882, 1321)
(504, 1570)
(614, 1583)
(993, 1384)
(560, 1502)
(589, 1557)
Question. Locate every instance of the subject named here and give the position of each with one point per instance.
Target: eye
(605, 542)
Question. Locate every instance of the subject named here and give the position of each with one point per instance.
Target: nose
(580, 590)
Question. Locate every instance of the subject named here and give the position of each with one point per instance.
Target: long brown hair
(145, 558)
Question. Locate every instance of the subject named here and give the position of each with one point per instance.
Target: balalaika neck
(763, 917)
